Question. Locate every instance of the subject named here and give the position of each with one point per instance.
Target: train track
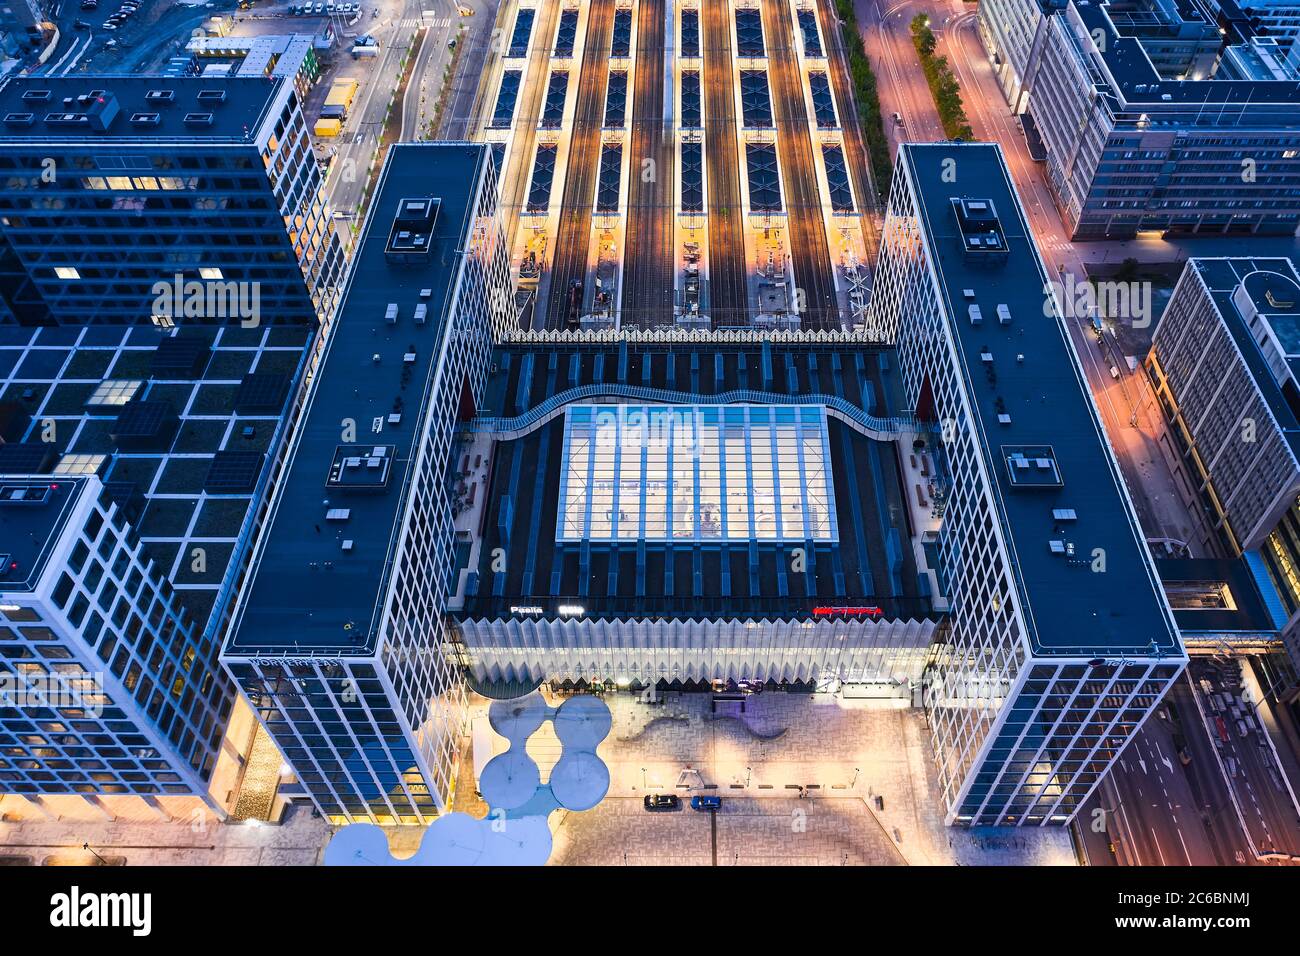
(573, 238)
(519, 165)
(728, 298)
(865, 188)
(809, 252)
(648, 267)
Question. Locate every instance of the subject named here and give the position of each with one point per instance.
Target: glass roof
(696, 473)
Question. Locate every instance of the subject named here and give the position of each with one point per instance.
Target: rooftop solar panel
(233, 472)
(26, 458)
(180, 356)
(261, 393)
(144, 423)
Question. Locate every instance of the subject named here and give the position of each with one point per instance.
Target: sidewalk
(146, 840)
(843, 754)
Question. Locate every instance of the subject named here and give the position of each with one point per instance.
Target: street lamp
(87, 846)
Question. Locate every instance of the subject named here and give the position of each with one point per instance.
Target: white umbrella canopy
(516, 842)
(510, 779)
(518, 719)
(359, 844)
(579, 780)
(583, 722)
(456, 839)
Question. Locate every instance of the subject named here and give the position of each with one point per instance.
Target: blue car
(706, 803)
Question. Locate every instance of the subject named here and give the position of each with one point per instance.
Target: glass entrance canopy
(696, 473)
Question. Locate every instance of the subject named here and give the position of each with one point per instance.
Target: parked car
(89, 4)
(662, 801)
(706, 802)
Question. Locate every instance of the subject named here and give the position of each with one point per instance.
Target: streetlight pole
(87, 846)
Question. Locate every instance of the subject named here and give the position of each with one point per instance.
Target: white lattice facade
(1019, 738)
(646, 652)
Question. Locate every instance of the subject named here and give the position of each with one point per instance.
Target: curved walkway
(873, 426)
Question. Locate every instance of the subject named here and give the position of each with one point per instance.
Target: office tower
(1059, 641)
(171, 200)
(1144, 122)
(339, 640)
(107, 687)
(1224, 364)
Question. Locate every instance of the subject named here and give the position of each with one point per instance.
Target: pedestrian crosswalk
(433, 23)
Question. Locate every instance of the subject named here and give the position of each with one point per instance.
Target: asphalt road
(1159, 812)
(355, 148)
(1264, 802)
(458, 119)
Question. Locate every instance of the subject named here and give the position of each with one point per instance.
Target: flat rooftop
(1138, 82)
(1031, 404)
(33, 516)
(190, 484)
(1272, 288)
(97, 108)
(704, 568)
(1214, 596)
(322, 570)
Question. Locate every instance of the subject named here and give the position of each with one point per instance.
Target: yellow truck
(341, 93)
(327, 128)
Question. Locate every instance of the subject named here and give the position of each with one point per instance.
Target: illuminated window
(709, 472)
(114, 391)
(210, 273)
(66, 272)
